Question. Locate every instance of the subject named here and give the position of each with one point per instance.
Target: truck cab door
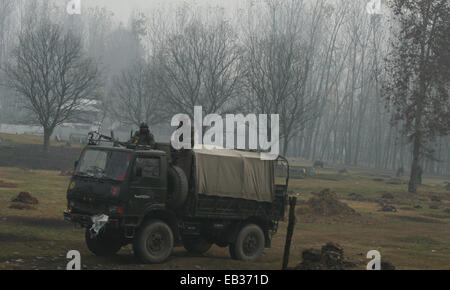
(148, 186)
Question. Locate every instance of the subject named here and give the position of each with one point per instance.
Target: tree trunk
(47, 133)
(415, 166)
(285, 146)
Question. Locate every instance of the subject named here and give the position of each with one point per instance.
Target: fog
(330, 69)
(123, 9)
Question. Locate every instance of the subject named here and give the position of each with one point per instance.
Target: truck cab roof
(125, 149)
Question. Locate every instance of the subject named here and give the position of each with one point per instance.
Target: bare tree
(199, 66)
(6, 8)
(278, 60)
(49, 70)
(135, 96)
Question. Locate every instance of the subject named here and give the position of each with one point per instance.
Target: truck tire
(177, 187)
(249, 244)
(104, 244)
(196, 244)
(153, 242)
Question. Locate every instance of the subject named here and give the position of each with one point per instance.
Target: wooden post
(290, 231)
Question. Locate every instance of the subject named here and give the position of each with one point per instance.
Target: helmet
(144, 125)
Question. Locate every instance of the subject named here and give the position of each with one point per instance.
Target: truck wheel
(104, 244)
(249, 244)
(153, 242)
(196, 244)
(177, 187)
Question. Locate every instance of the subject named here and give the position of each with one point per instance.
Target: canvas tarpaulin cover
(232, 173)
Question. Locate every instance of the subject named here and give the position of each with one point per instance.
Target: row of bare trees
(321, 65)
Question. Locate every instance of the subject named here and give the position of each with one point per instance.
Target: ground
(414, 237)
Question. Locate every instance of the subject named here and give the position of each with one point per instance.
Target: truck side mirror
(75, 165)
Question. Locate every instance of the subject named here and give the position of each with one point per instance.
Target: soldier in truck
(143, 136)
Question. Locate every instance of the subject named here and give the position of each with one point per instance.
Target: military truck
(157, 199)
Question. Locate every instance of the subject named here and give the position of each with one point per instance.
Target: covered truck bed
(233, 174)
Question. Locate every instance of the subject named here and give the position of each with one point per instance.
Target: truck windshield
(103, 164)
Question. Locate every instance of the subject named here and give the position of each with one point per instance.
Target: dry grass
(411, 238)
(415, 242)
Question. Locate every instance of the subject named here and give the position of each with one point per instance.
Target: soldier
(143, 137)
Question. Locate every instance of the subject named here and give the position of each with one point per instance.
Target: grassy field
(30, 139)
(411, 238)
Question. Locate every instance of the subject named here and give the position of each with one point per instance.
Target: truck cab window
(147, 168)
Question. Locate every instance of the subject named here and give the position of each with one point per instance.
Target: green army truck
(157, 199)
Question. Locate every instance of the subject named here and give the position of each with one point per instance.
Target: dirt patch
(435, 198)
(356, 197)
(31, 156)
(7, 184)
(25, 197)
(330, 257)
(388, 208)
(359, 197)
(387, 195)
(37, 222)
(326, 204)
(21, 206)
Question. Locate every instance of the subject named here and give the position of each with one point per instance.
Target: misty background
(319, 64)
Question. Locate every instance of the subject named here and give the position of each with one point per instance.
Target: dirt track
(31, 156)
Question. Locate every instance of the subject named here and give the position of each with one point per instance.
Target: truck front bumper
(81, 219)
(85, 220)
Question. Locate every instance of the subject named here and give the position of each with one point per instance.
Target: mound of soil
(21, 206)
(7, 184)
(388, 208)
(435, 198)
(387, 195)
(326, 203)
(385, 265)
(26, 198)
(356, 196)
(330, 257)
